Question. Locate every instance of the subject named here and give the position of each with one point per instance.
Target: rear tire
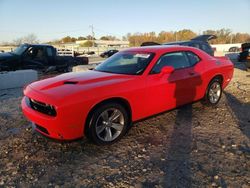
(213, 92)
(108, 124)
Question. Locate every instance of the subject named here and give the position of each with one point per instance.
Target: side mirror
(167, 70)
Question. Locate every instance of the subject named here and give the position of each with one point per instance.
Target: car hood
(6, 55)
(71, 83)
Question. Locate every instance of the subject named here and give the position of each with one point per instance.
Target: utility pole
(92, 35)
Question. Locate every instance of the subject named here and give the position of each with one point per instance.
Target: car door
(50, 55)
(194, 79)
(166, 91)
(32, 58)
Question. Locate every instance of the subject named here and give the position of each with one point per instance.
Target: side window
(49, 52)
(177, 60)
(193, 58)
(30, 51)
(35, 52)
(205, 48)
(195, 45)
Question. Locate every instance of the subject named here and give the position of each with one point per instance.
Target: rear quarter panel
(218, 67)
(209, 67)
(225, 68)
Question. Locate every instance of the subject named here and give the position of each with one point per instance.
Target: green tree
(88, 43)
(89, 37)
(108, 37)
(224, 36)
(73, 39)
(185, 34)
(81, 38)
(166, 36)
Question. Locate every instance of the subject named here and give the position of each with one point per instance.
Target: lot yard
(192, 146)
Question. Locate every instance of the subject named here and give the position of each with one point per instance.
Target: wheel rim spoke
(105, 115)
(117, 126)
(115, 115)
(108, 136)
(100, 129)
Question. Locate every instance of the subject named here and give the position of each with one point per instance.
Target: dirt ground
(192, 146)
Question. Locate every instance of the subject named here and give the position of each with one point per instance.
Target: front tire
(213, 93)
(108, 123)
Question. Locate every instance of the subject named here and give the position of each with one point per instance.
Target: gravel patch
(192, 146)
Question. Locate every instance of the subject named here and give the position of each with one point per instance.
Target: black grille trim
(70, 82)
(42, 107)
(42, 129)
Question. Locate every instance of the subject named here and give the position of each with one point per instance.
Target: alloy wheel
(214, 92)
(109, 124)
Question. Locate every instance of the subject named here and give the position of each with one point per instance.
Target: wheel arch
(218, 76)
(125, 103)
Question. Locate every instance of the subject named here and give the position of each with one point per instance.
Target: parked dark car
(150, 44)
(39, 57)
(200, 42)
(91, 53)
(244, 55)
(234, 49)
(245, 52)
(108, 53)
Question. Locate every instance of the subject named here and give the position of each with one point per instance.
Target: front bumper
(67, 125)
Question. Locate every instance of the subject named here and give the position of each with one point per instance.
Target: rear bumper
(61, 127)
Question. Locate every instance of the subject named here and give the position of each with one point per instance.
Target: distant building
(107, 43)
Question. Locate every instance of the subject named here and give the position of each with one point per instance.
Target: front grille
(42, 129)
(42, 107)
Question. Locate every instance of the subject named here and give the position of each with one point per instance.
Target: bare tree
(30, 38)
(18, 41)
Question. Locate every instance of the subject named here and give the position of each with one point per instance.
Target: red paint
(147, 94)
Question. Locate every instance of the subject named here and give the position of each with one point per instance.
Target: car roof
(38, 45)
(184, 42)
(176, 42)
(159, 48)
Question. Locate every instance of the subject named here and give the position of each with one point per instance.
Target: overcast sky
(53, 19)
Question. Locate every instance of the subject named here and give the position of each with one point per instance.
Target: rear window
(205, 47)
(193, 58)
(50, 52)
(195, 45)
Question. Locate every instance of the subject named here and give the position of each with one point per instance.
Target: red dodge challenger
(131, 85)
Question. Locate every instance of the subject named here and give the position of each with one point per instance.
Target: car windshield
(132, 63)
(19, 50)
